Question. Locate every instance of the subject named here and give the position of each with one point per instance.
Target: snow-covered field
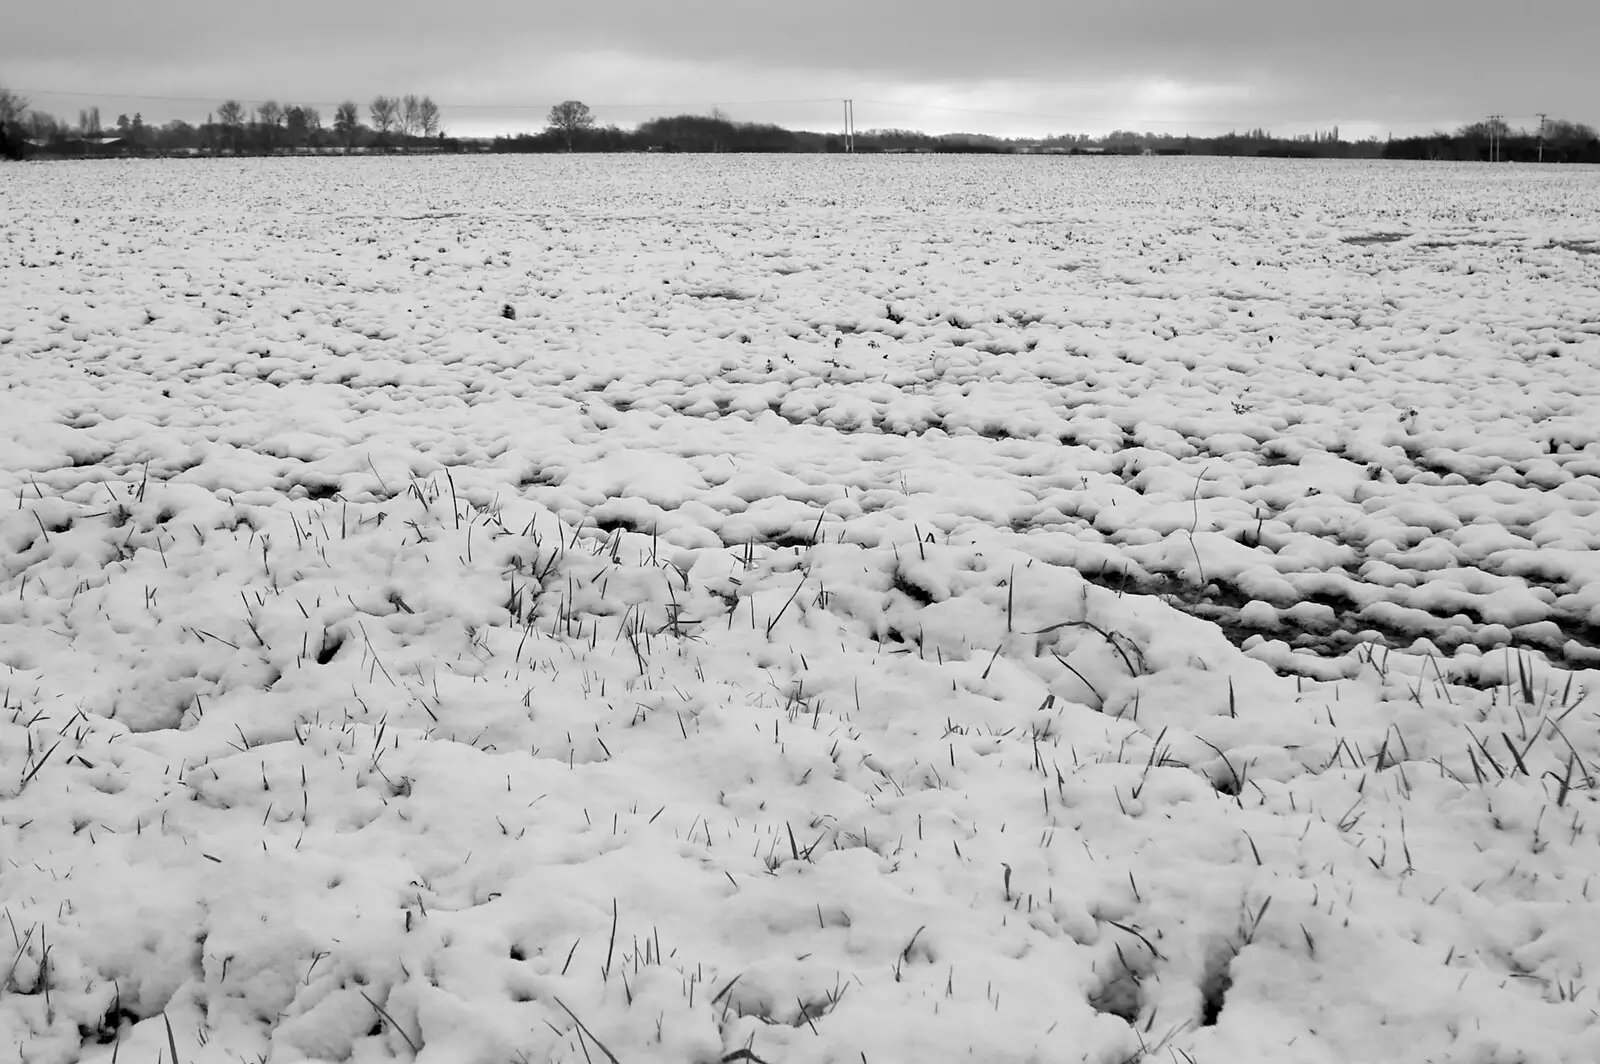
(799, 610)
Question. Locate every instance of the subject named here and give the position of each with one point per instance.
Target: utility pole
(1541, 136)
(850, 126)
(1494, 138)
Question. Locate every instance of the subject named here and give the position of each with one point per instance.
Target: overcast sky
(999, 66)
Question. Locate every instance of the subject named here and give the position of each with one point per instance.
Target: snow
(848, 609)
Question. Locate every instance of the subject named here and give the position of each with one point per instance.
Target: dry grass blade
(816, 529)
(720, 994)
(1238, 779)
(1109, 637)
(1256, 918)
(1566, 782)
(744, 1054)
(22, 947)
(375, 473)
(584, 1028)
(1484, 749)
(34, 771)
(905, 954)
(1588, 780)
(1525, 679)
(172, 1043)
(1011, 590)
(792, 595)
(1515, 756)
(612, 945)
(1136, 933)
(1080, 676)
(401, 1031)
(1477, 770)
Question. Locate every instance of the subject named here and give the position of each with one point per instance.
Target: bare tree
(1562, 131)
(410, 115)
(13, 115)
(43, 126)
(175, 134)
(230, 116)
(570, 118)
(13, 110)
(428, 116)
(303, 124)
(385, 112)
(270, 116)
(294, 119)
(12, 106)
(347, 124)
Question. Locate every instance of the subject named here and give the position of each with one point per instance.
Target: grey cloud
(1402, 58)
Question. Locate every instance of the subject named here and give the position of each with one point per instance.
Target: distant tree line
(393, 123)
(571, 127)
(1322, 144)
(1560, 141)
(718, 133)
(413, 123)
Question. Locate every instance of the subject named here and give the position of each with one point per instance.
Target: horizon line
(1389, 126)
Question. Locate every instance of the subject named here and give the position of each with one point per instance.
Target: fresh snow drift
(799, 610)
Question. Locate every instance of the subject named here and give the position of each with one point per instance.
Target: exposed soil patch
(1570, 640)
